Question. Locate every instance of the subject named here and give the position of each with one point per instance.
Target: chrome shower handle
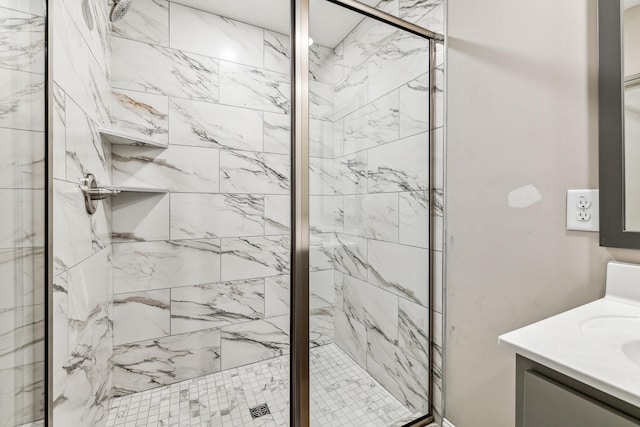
(99, 193)
(93, 192)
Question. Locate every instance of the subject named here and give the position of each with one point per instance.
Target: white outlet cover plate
(593, 224)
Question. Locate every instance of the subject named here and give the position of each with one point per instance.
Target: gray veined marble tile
(246, 172)
(33, 7)
(322, 211)
(215, 305)
(338, 62)
(413, 10)
(204, 124)
(22, 272)
(276, 52)
(402, 165)
(140, 217)
(255, 88)
(321, 100)
(59, 125)
(150, 364)
(21, 336)
(351, 92)
(434, 20)
(404, 377)
(321, 251)
(149, 311)
(322, 64)
(22, 41)
(374, 308)
(254, 257)
(207, 34)
(22, 159)
(322, 176)
(178, 168)
(321, 138)
(439, 97)
(277, 296)
(277, 214)
(277, 133)
(372, 215)
(60, 304)
(321, 288)
(160, 265)
(414, 106)
(414, 219)
(197, 216)
(402, 270)
(397, 62)
(413, 331)
(351, 337)
(22, 396)
(351, 256)
(146, 21)
(140, 114)
(339, 290)
(155, 69)
(352, 170)
(254, 341)
(321, 329)
(376, 123)
(22, 213)
(365, 40)
(21, 100)
(338, 214)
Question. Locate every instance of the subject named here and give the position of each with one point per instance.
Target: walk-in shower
(233, 226)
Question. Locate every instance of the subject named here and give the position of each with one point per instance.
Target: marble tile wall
(83, 277)
(22, 149)
(208, 262)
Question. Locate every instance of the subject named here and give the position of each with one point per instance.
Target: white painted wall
(522, 110)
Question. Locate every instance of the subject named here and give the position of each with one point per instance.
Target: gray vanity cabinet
(546, 398)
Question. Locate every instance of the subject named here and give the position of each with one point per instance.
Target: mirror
(619, 111)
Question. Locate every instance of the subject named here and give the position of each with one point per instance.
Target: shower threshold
(342, 394)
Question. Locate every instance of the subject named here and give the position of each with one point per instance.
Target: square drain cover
(259, 411)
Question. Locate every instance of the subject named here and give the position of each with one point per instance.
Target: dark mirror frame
(611, 128)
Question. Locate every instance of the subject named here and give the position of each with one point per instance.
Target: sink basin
(616, 332)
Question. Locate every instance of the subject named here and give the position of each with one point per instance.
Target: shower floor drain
(259, 411)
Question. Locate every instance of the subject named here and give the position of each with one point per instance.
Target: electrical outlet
(583, 210)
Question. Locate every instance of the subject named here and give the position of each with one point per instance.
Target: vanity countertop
(597, 343)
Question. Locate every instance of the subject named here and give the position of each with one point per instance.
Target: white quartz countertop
(597, 343)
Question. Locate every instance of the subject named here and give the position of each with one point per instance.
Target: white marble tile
(22, 394)
(322, 211)
(338, 284)
(197, 216)
(351, 256)
(277, 296)
(21, 159)
(321, 326)
(402, 270)
(277, 214)
(21, 100)
(155, 69)
(322, 64)
(75, 69)
(276, 52)
(322, 176)
(205, 124)
(149, 364)
(177, 168)
(21, 336)
(146, 21)
(438, 291)
(215, 305)
(140, 114)
(321, 251)
(207, 34)
(438, 219)
(439, 158)
(253, 257)
(338, 62)
(374, 308)
(434, 20)
(365, 40)
(351, 92)
(352, 170)
(160, 265)
(140, 217)
(338, 214)
(34, 7)
(22, 275)
(60, 328)
(22, 41)
(439, 98)
(254, 341)
(351, 337)
(22, 213)
(413, 331)
(414, 219)
(321, 288)
(246, 172)
(149, 311)
(402, 165)
(376, 123)
(277, 135)
(321, 138)
(58, 161)
(372, 215)
(397, 62)
(405, 378)
(321, 100)
(413, 10)
(414, 106)
(255, 88)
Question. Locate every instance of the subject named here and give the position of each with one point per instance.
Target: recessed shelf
(131, 189)
(121, 138)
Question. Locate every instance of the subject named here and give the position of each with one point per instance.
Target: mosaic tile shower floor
(342, 394)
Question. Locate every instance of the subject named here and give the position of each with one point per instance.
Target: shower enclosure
(261, 243)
